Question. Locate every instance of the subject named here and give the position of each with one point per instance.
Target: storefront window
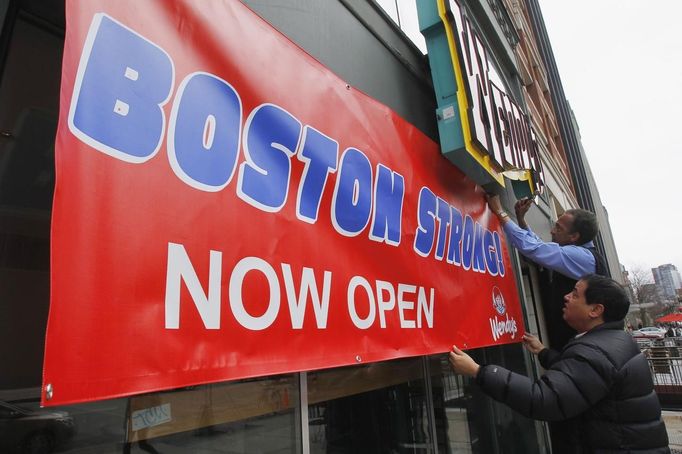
(467, 421)
(243, 417)
(29, 96)
(378, 408)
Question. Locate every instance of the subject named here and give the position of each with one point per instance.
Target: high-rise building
(668, 278)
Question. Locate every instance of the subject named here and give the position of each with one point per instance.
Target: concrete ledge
(673, 424)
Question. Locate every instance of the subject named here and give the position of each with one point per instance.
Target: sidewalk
(673, 423)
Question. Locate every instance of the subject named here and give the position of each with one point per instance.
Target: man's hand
(532, 344)
(521, 208)
(494, 203)
(462, 363)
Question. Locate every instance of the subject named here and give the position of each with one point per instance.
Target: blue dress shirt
(571, 260)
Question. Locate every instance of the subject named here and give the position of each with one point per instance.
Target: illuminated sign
(490, 131)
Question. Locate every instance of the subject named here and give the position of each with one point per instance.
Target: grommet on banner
(347, 86)
(358, 359)
(48, 391)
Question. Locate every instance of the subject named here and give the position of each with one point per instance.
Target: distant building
(668, 278)
(627, 284)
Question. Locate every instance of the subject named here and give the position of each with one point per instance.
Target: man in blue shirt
(569, 256)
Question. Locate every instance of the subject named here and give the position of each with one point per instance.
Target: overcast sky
(620, 65)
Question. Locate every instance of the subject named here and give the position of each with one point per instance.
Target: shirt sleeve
(571, 261)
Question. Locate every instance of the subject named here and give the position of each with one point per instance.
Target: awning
(675, 317)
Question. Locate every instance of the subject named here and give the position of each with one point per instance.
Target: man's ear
(575, 238)
(596, 310)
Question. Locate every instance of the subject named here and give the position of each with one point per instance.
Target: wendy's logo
(498, 301)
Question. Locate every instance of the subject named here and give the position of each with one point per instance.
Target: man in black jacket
(600, 381)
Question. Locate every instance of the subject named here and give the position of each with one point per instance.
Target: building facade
(413, 404)
(668, 279)
(583, 184)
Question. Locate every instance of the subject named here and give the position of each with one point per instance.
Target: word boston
(205, 131)
(224, 201)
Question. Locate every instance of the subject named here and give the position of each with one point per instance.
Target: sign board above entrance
(226, 207)
(482, 130)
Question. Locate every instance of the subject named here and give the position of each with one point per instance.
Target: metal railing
(665, 363)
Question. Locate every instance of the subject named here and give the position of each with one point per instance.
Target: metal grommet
(358, 358)
(48, 391)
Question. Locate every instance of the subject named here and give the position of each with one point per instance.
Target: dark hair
(584, 223)
(609, 293)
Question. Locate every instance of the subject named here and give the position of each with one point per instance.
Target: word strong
(123, 83)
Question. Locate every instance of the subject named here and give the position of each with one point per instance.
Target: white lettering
(380, 298)
(404, 305)
(385, 304)
(308, 287)
(237, 304)
(423, 308)
(179, 268)
(504, 326)
(355, 282)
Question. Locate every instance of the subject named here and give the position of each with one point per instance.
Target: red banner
(226, 207)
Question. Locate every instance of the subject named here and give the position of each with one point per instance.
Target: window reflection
(23, 429)
(404, 14)
(378, 408)
(248, 416)
(458, 412)
(241, 417)
(29, 90)
(468, 421)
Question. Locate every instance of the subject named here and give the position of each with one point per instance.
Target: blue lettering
(443, 215)
(498, 246)
(271, 138)
(123, 80)
(389, 190)
(467, 242)
(352, 202)
(490, 252)
(479, 261)
(319, 153)
(426, 216)
(204, 132)
(454, 246)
